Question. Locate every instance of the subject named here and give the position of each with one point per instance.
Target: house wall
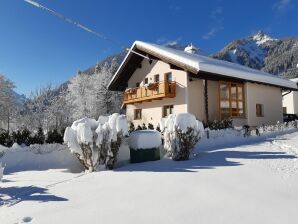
(290, 101)
(196, 99)
(152, 111)
(271, 99)
(190, 98)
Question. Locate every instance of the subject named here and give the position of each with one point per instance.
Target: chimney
(191, 49)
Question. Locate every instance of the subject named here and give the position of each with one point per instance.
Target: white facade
(290, 103)
(190, 98)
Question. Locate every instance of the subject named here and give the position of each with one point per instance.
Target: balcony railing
(150, 92)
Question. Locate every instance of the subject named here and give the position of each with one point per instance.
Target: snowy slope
(227, 182)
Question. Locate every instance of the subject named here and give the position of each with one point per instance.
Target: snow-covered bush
(97, 142)
(181, 134)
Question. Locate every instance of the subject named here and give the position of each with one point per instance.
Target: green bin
(143, 155)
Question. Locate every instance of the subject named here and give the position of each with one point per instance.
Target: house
(158, 81)
(290, 101)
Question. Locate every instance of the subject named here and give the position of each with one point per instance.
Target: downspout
(206, 100)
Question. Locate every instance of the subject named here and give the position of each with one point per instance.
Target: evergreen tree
(54, 137)
(39, 137)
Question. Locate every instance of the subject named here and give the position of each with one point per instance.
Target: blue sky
(37, 48)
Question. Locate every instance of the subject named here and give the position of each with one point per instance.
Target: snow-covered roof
(294, 80)
(199, 63)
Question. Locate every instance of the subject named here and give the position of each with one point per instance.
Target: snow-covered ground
(251, 180)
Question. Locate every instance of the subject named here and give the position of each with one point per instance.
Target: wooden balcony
(154, 91)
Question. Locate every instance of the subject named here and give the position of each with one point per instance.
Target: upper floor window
(168, 77)
(231, 96)
(156, 78)
(146, 81)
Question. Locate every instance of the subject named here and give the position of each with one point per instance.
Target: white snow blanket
(254, 180)
(144, 139)
(39, 157)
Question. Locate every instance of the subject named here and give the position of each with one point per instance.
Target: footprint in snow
(26, 219)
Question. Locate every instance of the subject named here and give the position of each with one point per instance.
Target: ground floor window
(167, 110)
(284, 109)
(231, 97)
(259, 110)
(138, 114)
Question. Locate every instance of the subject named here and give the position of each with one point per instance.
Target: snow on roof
(199, 63)
(294, 80)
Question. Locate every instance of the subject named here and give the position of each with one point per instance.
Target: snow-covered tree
(7, 100)
(88, 95)
(78, 95)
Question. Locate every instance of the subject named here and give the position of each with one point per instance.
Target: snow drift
(39, 157)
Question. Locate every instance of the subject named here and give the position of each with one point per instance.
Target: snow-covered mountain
(260, 51)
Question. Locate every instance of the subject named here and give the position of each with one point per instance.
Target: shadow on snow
(211, 156)
(13, 195)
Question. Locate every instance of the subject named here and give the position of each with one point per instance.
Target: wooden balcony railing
(153, 91)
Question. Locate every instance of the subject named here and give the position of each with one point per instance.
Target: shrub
(158, 128)
(217, 125)
(139, 128)
(39, 137)
(54, 137)
(144, 126)
(150, 126)
(131, 127)
(5, 139)
(181, 133)
(97, 143)
(22, 137)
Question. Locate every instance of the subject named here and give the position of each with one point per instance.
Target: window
(146, 81)
(167, 110)
(138, 114)
(137, 84)
(168, 77)
(284, 109)
(156, 78)
(259, 110)
(231, 97)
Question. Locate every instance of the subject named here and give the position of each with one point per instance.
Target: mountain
(118, 57)
(260, 51)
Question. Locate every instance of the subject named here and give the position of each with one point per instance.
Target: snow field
(227, 182)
